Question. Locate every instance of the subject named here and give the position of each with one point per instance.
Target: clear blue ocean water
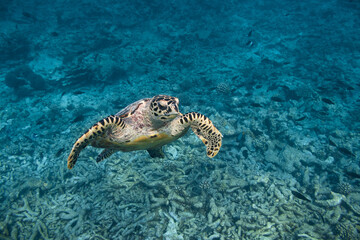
(279, 79)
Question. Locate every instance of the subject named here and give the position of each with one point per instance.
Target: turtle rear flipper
(156, 152)
(97, 130)
(205, 130)
(105, 154)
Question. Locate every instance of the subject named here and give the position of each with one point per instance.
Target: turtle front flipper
(205, 130)
(97, 130)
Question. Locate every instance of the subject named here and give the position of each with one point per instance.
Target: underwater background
(280, 79)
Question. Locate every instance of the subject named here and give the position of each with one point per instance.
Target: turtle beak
(172, 115)
(173, 111)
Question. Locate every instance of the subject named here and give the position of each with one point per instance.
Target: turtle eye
(176, 107)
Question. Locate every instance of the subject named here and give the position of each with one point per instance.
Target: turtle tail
(205, 130)
(98, 129)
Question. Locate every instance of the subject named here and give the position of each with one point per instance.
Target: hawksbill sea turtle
(147, 124)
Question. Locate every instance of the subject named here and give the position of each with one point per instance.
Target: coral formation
(279, 78)
(344, 188)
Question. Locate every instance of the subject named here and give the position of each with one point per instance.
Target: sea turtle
(147, 124)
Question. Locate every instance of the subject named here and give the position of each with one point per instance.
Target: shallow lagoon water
(279, 79)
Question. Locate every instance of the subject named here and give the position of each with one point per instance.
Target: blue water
(279, 79)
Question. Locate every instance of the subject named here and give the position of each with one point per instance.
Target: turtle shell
(131, 109)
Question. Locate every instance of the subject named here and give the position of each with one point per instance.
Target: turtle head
(164, 108)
